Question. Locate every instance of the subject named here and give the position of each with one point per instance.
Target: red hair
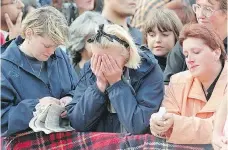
(205, 33)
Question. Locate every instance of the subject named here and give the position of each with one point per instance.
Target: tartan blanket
(91, 141)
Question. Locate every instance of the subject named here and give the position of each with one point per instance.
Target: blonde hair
(164, 20)
(47, 21)
(131, 53)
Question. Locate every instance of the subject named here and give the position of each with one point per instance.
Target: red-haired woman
(193, 96)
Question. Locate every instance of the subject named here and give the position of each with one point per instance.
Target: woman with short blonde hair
(47, 21)
(119, 87)
(34, 71)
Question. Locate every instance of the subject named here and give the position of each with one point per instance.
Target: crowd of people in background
(112, 64)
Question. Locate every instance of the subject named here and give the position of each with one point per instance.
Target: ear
(217, 52)
(29, 33)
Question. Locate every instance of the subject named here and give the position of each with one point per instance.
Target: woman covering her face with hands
(120, 87)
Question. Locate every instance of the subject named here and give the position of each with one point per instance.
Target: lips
(132, 4)
(202, 21)
(193, 67)
(46, 56)
(158, 47)
(89, 1)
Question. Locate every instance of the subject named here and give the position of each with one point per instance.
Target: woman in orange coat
(193, 96)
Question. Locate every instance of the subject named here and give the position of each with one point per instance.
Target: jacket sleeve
(86, 107)
(186, 130)
(72, 74)
(15, 114)
(134, 110)
(175, 63)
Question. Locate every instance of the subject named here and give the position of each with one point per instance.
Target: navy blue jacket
(133, 103)
(22, 89)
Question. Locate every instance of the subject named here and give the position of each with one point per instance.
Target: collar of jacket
(197, 92)
(12, 52)
(148, 62)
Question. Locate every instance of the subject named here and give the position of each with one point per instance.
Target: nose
(200, 14)
(158, 39)
(190, 60)
(20, 4)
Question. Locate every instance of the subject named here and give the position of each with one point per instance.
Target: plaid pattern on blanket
(92, 141)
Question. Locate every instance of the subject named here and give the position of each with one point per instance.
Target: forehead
(190, 43)
(160, 29)
(45, 40)
(112, 50)
(208, 2)
(5, 1)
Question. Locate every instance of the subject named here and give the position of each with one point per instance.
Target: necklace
(41, 66)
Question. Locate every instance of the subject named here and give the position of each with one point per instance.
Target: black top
(212, 86)
(176, 61)
(161, 61)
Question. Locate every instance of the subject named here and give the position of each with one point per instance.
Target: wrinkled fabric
(21, 89)
(194, 115)
(133, 103)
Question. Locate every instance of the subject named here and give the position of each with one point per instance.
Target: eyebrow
(209, 1)
(48, 45)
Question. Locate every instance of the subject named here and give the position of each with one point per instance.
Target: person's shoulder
(147, 55)
(181, 77)
(59, 52)
(136, 35)
(177, 47)
(149, 64)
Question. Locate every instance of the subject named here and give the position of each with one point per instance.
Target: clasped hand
(106, 70)
(51, 100)
(159, 126)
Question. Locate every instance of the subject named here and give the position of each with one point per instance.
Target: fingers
(65, 101)
(49, 100)
(19, 19)
(113, 62)
(98, 64)
(8, 21)
(64, 114)
(107, 64)
(167, 116)
(100, 72)
(158, 126)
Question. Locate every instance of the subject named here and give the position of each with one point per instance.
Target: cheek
(150, 42)
(170, 42)
(80, 3)
(121, 62)
(213, 20)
